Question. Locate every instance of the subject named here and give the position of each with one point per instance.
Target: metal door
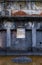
(39, 38)
(21, 43)
(2, 38)
(29, 39)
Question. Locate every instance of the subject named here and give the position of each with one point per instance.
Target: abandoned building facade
(20, 27)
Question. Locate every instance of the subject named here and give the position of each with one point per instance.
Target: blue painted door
(2, 38)
(21, 43)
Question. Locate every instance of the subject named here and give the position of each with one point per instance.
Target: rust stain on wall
(18, 13)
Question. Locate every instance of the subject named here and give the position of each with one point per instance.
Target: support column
(34, 36)
(8, 38)
(8, 25)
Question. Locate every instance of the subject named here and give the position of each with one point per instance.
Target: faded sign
(20, 33)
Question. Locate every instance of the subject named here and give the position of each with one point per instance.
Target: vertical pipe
(33, 36)
(8, 37)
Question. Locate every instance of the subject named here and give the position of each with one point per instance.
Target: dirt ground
(6, 60)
